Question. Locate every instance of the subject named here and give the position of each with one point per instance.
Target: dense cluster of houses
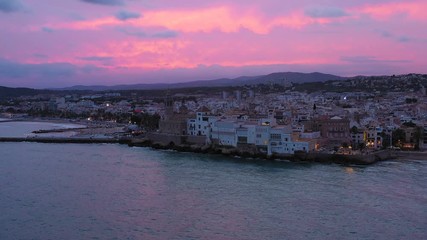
(301, 122)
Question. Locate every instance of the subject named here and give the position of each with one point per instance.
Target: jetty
(58, 130)
(65, 140)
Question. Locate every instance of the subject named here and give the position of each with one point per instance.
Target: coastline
(411, 155)
(368, 159)
(79, 128)
(113, 133)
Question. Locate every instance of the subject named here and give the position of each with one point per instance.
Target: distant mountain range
(6, 92)
(275, 78)
(304, 82)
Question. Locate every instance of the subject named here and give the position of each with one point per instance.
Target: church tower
(168, 106)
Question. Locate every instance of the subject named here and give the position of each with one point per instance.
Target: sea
(112, 191)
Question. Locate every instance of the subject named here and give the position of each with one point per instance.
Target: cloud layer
(106, 2)
(125, 15)
(325, 12)
(8, 6)
(118, 41)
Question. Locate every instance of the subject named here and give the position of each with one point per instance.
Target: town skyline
(113, 42)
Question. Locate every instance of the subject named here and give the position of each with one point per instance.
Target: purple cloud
(96, 58)
(105, 61)
(369, 60)
(165, 34)
(10, 69)
(125, 15)
(133, 32)
(47, 29)
(325, 12)
(106, 2)
(9, 6)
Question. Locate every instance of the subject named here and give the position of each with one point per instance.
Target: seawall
(64, 140)
(250, 153)
(229, 151)
(410, 155)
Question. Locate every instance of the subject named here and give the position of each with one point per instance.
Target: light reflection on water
(54, 191)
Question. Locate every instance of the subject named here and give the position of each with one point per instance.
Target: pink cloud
(239, 36)
(414, 10)
(218, 18)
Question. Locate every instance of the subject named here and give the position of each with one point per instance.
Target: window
(241, 139)
(275, 136)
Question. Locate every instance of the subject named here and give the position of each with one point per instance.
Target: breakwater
(65, 140)
(60, 130)
(362, 159)
(227, 151)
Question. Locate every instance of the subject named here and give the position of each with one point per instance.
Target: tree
(150, 122)
(386, 139)
(418, 136)
(409, 124)
(135, 119)
(398, 136)
(411, 100)
(354, 130)
(10, 110)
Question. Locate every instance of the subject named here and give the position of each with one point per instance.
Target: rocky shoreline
(98, 134)
(365, 159)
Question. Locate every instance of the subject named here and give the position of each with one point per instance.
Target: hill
(279, 78)
(6, 92)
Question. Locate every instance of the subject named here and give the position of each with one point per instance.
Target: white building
(202, 124)
(267, 138)
(282, 141)
(373, 138)
(224, 132)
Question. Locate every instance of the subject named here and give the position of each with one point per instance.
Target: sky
(45, 43)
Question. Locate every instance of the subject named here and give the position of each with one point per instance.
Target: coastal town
(219, 120)
(355, 116)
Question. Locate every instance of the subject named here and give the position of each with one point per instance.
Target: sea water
(111, 191)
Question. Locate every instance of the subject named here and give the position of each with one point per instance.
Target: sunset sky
(46, 43)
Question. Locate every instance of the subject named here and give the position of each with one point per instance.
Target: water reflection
(349, 170)
(110, 191)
